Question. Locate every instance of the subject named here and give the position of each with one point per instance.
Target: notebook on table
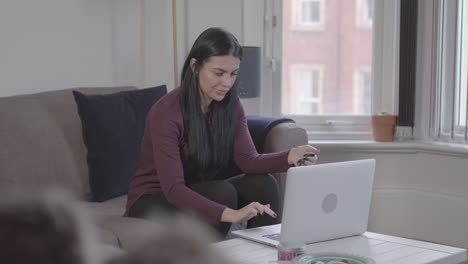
(321, 202)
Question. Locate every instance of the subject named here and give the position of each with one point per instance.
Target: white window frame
(295, 17)
(385, 77)
(464, 66)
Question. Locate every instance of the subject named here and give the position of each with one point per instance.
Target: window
(340, 49)
(331, 80)
(309, 12)
(308, 80)
(364, 13)
(362, 91)
(449, 108)
(306, 14)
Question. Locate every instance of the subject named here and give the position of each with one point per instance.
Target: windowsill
(395, 146)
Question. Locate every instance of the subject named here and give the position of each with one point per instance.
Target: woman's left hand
(303, 155)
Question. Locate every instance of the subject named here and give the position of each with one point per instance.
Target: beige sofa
(41, 145)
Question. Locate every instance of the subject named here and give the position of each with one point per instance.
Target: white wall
(55, 44)
(157, 43)
(125, 42)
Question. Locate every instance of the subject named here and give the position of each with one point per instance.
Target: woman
(194, 132)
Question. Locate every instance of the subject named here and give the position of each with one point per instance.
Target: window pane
(306, 108)
(307, 80)
(340, 48)
(362, 90)
(315, 12)
(309, 11)
(316, 83)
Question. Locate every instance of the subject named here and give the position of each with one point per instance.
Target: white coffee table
(382, 248)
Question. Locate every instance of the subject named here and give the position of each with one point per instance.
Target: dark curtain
(407, 82)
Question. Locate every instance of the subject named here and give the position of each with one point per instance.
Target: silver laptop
(321, 202)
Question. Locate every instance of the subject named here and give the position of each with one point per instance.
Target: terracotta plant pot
(383, 127)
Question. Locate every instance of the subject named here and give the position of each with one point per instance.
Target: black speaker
(250, 73)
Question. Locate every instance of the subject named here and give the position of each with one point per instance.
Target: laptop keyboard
(273, 236)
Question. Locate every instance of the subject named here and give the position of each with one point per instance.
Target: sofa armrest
(282, 137)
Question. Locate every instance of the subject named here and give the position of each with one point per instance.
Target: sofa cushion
(113, 127)
(30, 143)
(41, 143)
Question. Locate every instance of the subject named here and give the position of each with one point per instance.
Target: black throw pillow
(113, 127)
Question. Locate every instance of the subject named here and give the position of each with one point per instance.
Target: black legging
(235, 192)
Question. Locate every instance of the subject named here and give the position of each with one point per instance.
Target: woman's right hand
(245, 213)
(298, 156)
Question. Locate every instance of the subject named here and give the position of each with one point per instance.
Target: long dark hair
(210, 137)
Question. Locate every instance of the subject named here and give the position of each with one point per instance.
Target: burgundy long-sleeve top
(164, 165)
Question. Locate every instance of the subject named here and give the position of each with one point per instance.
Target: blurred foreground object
(45, 228)
(183, 240)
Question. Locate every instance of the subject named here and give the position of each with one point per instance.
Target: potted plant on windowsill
(383, 126)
